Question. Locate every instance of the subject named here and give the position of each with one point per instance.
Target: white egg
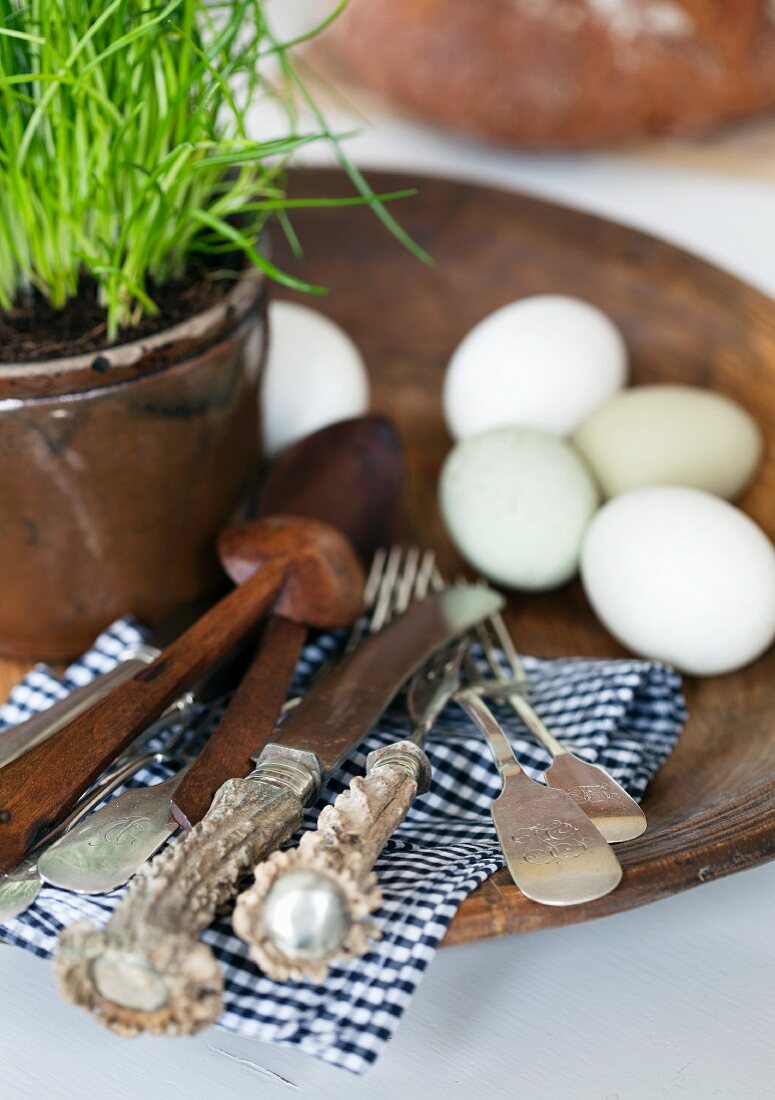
(543, 362)
(679, 575)
(516, 502)
(314, 376)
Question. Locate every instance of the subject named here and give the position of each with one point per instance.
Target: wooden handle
(40, 786)
(248, 722)
(344, 848)
(147, 970)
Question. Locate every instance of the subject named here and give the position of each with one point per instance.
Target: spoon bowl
(362, 490)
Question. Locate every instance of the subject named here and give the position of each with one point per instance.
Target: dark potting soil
(34, 331)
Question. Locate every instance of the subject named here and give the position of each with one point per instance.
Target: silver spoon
(553, 852)
(613, 812)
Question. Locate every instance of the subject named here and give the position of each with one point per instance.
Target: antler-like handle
(310, 905)
(147, 970)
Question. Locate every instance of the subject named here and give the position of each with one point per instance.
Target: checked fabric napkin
(625, 715)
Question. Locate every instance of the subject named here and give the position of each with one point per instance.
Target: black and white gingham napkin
(625, 715)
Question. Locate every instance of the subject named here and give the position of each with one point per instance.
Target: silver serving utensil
(613, 812)
(21, 886)
(105, 849)
(19, 739)
(554, 853)
(100, 851)
(147, 969)
(97, 852)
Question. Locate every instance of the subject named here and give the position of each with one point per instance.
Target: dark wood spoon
(361, 491)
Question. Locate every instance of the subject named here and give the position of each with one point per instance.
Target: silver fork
(84, 861)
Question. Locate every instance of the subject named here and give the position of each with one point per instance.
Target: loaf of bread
(563, 73)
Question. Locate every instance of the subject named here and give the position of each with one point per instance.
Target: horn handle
(147, 970)
(334, 861)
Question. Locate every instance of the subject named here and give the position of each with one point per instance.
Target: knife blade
(347, 702)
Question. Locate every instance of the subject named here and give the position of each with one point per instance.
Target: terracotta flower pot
(118, 469)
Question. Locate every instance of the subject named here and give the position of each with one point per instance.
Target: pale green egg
(670, 435)
(516, 502)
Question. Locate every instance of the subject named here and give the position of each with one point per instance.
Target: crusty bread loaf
(563, 73)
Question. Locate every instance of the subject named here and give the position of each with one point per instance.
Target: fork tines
(405, 574)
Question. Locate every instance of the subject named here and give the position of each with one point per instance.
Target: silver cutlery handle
(310, 905)
(147, 970)
(17, 740)
(475, 707)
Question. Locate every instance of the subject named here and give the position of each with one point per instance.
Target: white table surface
(677, 999)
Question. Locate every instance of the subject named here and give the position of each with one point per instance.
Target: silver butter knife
(17, 740)
(101, 851)
(147, 969)
(21, 886)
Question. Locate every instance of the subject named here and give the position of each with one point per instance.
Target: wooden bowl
(711, 808)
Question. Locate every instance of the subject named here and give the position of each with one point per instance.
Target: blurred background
(643, 110)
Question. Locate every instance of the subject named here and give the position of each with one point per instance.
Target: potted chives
(133, 279)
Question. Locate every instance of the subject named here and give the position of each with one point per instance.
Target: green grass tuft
(124, 151)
